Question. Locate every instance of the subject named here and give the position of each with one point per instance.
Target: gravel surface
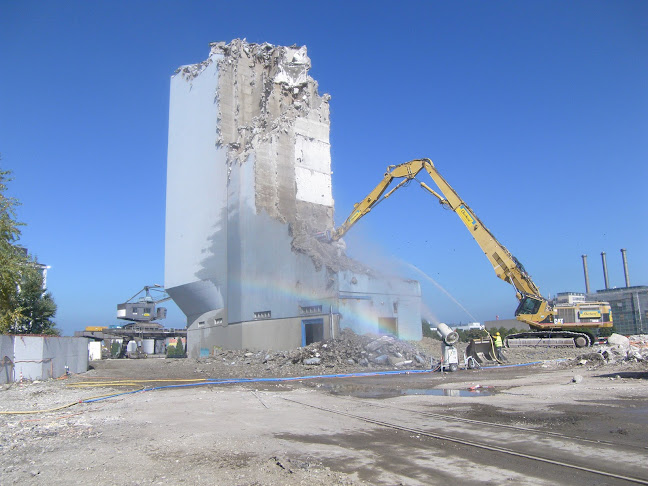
(249, 435)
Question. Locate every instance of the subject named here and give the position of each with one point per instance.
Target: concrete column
(605, 272)
(625, 267)
(587, 286)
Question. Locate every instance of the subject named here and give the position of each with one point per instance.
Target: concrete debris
(312, 361)
(577, 379)
(619, 340)
(349, 349)
(349, 354)
(619, 348)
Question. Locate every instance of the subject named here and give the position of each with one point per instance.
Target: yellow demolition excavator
(574, 324)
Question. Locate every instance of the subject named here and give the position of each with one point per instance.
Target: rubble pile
(367, 350)
(618, 349)
(347, 350)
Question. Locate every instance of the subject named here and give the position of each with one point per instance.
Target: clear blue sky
(536, 112)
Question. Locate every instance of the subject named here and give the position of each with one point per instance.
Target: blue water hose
(292, 378)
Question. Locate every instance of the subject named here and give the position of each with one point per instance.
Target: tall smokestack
(625, 266)
(605, 274)
(587, 289)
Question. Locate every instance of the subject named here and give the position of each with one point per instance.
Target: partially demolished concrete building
(248, 188)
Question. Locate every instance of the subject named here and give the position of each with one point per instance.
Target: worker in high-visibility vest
(498, 347)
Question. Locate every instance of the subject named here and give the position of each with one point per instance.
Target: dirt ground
(409, 428)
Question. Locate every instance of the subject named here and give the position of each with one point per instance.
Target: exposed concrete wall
(366, 299)
(276, 334)
(7, 357)
(41, 358)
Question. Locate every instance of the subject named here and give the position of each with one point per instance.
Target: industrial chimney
(605, 274)
(625, 266)
(587, 288)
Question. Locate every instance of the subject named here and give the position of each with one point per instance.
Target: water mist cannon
(449, 336)
(450, 359)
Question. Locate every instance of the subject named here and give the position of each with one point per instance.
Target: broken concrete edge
(287, 111)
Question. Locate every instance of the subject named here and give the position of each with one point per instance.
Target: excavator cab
(528, 305)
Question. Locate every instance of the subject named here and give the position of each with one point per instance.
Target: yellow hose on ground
(27, 412)
(172, 380)
(30, 412)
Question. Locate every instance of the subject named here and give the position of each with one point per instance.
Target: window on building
(262, 315)
(311, 309)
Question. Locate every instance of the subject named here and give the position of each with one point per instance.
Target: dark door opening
(312, 331)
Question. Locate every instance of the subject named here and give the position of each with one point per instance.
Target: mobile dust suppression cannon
(450, 359)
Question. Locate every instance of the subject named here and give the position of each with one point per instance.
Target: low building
(506, 324)
(629, 308)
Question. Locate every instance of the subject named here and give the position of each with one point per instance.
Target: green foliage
(115, 349)
(176, 350)
(12, 258)
(504, 332)
(425, 327)
(36, 304)
(606, 331)
(25, 307)
(466, 336)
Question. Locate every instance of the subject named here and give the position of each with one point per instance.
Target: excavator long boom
(533, 308)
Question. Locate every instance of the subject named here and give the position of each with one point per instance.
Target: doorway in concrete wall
(312, 331)
(388, 325)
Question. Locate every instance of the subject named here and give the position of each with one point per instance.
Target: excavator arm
(532, 308)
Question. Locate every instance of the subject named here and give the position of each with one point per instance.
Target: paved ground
(583, 421)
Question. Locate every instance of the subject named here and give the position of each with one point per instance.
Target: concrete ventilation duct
(625, 267)
(605, 272)
(587, 287)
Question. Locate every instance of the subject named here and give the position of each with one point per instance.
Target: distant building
(569, 298)
(506, 324)
(466, 327)
(629, 308)
(43, 268)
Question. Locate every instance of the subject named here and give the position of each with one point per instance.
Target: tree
(427, 332)
(25, 307)
(36, 304)
(13, 259)
(606, 331)
(177, 349)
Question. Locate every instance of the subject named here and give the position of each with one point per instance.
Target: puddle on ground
(366, 391)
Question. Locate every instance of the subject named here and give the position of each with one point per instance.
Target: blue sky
(536, 113)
